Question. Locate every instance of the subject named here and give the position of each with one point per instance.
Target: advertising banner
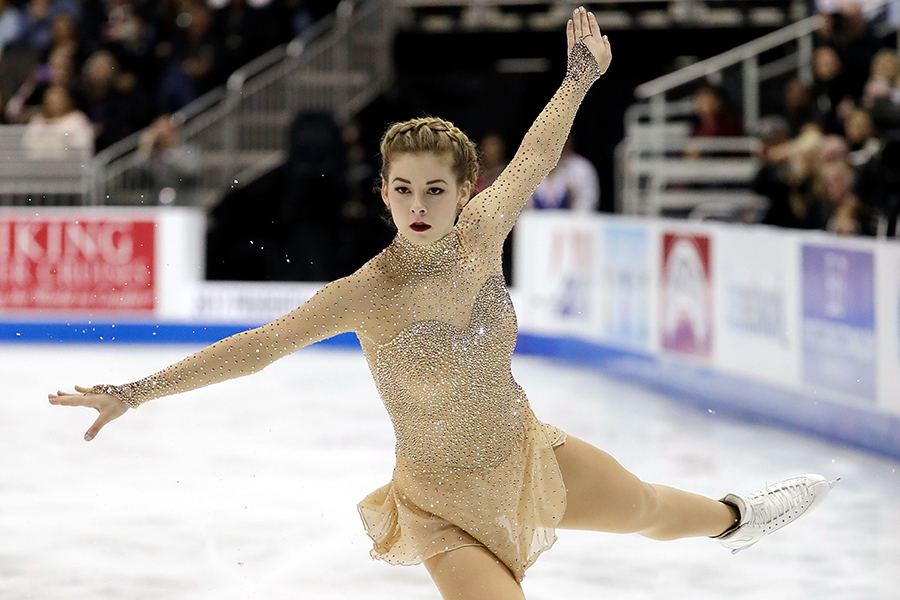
(887, 306)
(686, 295)
(81, 264)
(758, 304)
(626, 285)
(839, 342)
(558, 274)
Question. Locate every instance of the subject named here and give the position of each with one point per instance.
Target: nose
(417, 206)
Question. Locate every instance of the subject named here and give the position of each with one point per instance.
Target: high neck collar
(428, 259)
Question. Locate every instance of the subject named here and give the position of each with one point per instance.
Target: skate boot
(771, 509)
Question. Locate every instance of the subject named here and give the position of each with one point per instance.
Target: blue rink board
(687, 382)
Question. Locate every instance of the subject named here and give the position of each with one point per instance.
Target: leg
(472, 573)
(603, 496)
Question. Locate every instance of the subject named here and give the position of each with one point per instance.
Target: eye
(401, 189)
(435, 191)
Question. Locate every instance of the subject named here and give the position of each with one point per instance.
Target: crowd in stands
(829, 160)
(119, 64)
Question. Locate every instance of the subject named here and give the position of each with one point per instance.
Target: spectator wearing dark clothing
(830, 88)
(39, 15)
(242, 33)
(712, 116)
(192, 62)
(109, 109)
(799, 105)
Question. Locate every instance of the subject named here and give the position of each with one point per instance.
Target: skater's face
(423, 195)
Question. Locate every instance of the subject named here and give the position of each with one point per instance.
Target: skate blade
(831, 484)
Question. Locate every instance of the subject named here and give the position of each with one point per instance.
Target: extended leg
(603, 496)
(473, 573)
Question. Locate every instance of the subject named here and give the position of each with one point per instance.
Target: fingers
(570, 35)
(96, 427)
(83, 390)
(578, 23)
(593, 26)
(66, 399)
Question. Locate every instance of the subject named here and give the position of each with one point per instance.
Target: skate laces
(774, 501)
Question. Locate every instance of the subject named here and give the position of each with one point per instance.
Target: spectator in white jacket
(572, 185)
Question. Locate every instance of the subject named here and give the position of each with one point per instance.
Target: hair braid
(432, 135)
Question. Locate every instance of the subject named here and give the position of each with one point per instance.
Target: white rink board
(248, 490)
(808, 312)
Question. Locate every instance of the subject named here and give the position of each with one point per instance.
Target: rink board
(796, 328)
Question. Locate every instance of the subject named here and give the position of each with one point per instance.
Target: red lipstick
(419, 226)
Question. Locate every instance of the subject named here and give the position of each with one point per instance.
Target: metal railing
(239, 131)
(40, 166)
(797, 39)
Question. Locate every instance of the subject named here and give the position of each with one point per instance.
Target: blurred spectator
(836, 208)
(170, 167)
(830, 88)
(833, 148)
(848, 32)
(300, 15)
(884, 78)
(859, 130)
(773, 180)
(493, 160)
(59, 127)
(878, 184)
(39, 17)
(712, 116)
(11, 24)
(799, 104)
(108, 108)
(573, 184)
(64, 34)
(192, 61)
(242, 32)
(59, 70)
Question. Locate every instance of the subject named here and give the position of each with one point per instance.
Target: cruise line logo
(81, 264)
(686, 319)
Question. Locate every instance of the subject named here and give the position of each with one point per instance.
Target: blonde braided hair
(433, 135)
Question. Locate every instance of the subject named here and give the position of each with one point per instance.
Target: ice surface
(248, 490)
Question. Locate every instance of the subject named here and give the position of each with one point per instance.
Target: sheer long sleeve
(494, 211)
(336, 308)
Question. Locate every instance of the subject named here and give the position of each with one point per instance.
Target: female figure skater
(480, 485)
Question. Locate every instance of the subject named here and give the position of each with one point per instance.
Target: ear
(465, 191)
(384, 194)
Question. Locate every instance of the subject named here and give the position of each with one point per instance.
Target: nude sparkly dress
(474, 466)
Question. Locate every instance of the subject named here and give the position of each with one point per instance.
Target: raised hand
(583, 26)
(108, 406)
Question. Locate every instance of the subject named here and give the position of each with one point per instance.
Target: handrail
(730, 58)
(742, 53)
(238, 128)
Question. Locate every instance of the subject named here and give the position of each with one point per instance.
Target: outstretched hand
(583, 26)
(108, 406)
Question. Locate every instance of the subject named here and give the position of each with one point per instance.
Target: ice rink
(249, 490)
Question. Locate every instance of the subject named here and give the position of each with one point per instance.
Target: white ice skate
(771, 509)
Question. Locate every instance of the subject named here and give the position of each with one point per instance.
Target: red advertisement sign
(686, 319)
(62, 264)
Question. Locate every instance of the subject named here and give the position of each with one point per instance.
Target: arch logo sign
(84, 264)
(686, 295)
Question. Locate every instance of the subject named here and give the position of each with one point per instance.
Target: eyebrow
(426, 183)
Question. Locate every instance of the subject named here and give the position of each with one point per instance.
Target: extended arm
(495, 210)
(332, 310)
